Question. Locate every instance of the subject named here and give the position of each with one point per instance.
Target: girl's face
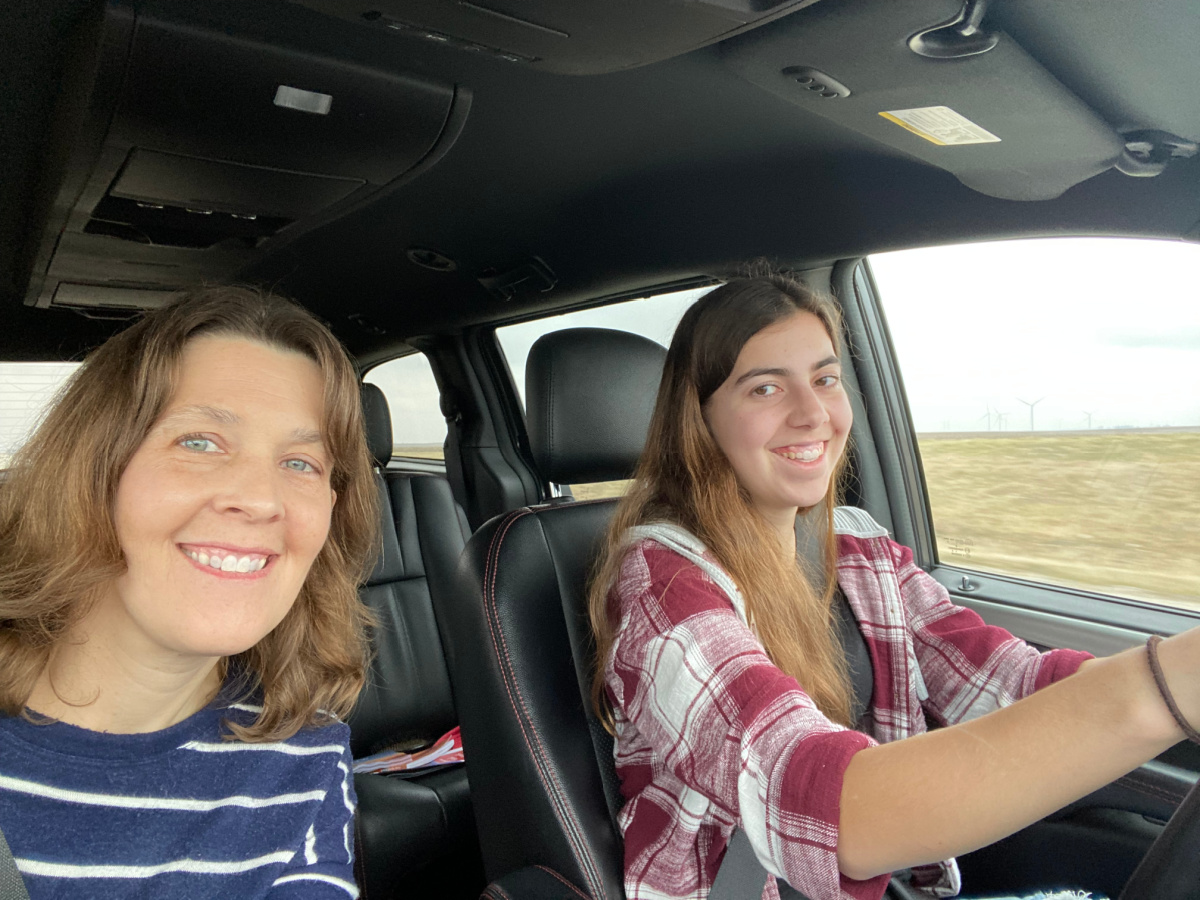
(782, 417)
(225, 504)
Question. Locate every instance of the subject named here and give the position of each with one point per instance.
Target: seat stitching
(1144, 785)
(572, 887)
(546, 774)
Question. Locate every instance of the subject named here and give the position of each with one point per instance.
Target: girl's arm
(951, 791)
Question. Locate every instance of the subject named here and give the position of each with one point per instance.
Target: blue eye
(299, 465)
(199, 444)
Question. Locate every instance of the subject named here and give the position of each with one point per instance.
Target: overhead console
(935, 79)
(198, 151)
(573, 38)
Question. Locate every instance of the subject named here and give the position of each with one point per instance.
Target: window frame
(436, 465)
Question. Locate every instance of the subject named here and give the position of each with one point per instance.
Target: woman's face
(782, 416)
(225, 504)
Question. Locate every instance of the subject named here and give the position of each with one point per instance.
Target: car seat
(541, 766)
(415, 831)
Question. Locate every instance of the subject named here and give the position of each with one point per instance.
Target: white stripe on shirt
(195, 866)
(36, 789)
(346, 786)
(232, 747)
(310, 845)
(347, 886)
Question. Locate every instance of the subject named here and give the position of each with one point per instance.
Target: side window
(26, 390)
(418, 428)
(1055, 392)
(653, 317)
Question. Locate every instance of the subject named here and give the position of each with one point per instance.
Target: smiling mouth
(805, 453)
(227, 561)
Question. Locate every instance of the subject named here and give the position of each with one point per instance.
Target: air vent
(412, 29)
(174, 226)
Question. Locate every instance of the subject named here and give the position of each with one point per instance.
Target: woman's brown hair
(684, 478)
(58, 542)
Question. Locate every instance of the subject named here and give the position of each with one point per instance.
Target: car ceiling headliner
(619, 182)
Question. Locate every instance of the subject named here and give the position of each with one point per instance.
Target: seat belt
(452, 455)
(11, 885)
(742, 877)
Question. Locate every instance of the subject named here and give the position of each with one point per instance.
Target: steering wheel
(1170, 870)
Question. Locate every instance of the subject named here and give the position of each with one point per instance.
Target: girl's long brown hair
(59, 546)
(683, 478)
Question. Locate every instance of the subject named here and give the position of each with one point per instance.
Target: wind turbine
(987, 415)
(1089, 418)
(1031, 405)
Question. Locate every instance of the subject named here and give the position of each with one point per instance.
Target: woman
(745, 694)
(181, 542)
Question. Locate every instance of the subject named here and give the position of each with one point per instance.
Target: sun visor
(997, 120)
(199, 151)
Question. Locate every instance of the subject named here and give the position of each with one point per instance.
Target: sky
(1095, 332)
(1098, 330)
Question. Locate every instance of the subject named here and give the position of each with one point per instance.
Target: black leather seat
(543, 784)
(415, 833)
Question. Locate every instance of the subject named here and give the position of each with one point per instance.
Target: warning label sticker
(940, 125)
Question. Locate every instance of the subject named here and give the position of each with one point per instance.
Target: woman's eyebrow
(301, 435)
(215, 413)
(827, 361)
(307, 436)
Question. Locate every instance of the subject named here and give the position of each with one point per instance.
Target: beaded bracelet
(1159, 679)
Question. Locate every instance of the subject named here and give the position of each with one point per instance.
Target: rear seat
(415, 832)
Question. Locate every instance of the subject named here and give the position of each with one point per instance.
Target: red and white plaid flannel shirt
(711, 736)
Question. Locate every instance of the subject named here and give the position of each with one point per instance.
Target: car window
(26, 390)
(654, 317)
(418, 428)
(1054, 387)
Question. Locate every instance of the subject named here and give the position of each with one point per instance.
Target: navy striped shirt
(178, 813)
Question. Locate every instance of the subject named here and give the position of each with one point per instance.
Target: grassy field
(599, 490)
(1116, 512)
(418, 451)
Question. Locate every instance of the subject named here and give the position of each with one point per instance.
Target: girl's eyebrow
(785, 373)
(754, 373)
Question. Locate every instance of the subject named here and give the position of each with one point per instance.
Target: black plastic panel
(203, 149)
(208, 94)
(1091, 850)
(572, 38)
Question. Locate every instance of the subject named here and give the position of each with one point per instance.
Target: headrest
(378, 420)
(589, 395)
